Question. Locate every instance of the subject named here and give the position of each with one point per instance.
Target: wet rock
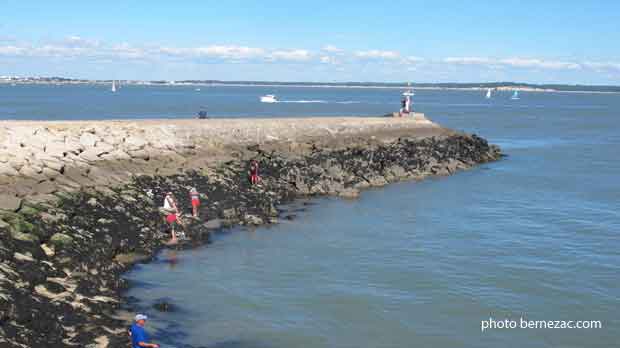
(229, 213)
(23, 257)
(377, 181)
(213, 224)
(61, 240)
(47, 250)
(24, 237)
(349, 193)
(397, 172)
(130, 258)
(253, 220)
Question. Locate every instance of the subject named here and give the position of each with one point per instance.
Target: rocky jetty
(79, 200)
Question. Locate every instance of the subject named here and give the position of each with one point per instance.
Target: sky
(570, 42)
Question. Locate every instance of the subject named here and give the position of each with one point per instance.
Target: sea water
(532, 237)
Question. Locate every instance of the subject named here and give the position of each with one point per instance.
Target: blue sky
(423, 41)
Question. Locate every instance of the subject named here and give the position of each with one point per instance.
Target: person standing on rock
(172, 215)
(254, 177)
(195, 200)
(139, 336)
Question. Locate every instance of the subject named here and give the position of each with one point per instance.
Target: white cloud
(330, 56)
(602, 66)
(12, 51)
(329, 60)
(412, 60)
(79, 42)
(230, 52)
(332, 49)
(125, 50)
(376, 54)
(513, 62)
(467, 60)
(539, 63)
(291, 55)
(217, 51)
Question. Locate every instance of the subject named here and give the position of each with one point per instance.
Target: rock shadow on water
(238, 344)
(140, 284)
(228, 344)
(165, 305)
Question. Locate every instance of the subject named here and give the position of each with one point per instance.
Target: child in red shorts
(195, 199)
(172, 215)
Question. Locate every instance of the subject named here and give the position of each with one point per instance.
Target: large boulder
(89, 140)
(134, 143)
(8, 170)
(10, 202)
(92, 154)
(349, 193)
(59, 150)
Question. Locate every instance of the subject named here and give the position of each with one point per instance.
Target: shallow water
(422, 264)
(535, 235)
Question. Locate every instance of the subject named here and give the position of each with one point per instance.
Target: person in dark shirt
(139, 336)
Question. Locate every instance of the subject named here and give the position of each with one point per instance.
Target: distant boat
(197, 90)
(488, 96)
(113, 86)
(515, 95)
(269, 98)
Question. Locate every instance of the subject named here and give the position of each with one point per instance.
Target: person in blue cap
(139, 337)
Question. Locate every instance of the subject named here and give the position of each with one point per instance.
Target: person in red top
(195, 199)
(254, 177)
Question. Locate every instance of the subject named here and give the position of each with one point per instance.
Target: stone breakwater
(38, 159)
(64, 246)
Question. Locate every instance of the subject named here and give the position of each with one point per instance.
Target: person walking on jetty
(253, 173)
(195, 200)
(139, 336)
(172, 215)
(405, 109)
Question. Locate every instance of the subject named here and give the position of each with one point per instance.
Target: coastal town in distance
(500, 86)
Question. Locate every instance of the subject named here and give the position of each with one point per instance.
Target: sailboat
(113, 86)
(515, 95)
(488, 96)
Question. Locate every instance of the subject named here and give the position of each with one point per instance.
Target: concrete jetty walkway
(41, 158)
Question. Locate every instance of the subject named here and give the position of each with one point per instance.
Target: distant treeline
(558, 87)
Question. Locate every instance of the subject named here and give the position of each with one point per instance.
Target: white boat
(113, 86)
(269, 98)
(515, 95)
(488, 96)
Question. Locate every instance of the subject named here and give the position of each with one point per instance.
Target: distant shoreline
(422, 86)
